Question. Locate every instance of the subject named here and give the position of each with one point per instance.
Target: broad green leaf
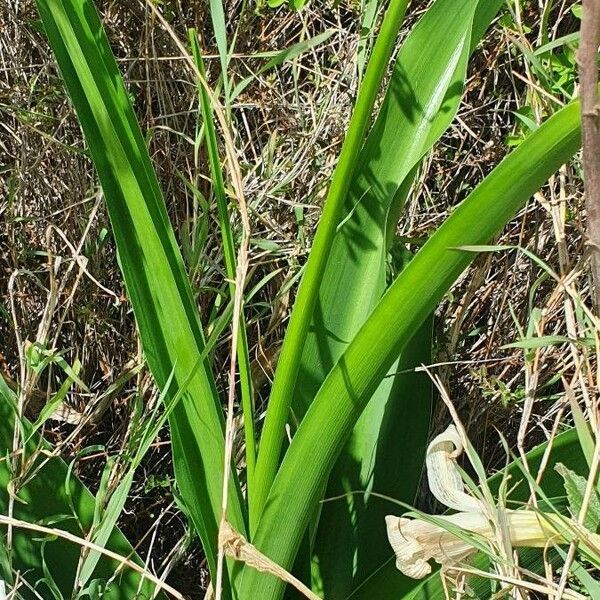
(575, 485)
(158, 288)
(385, 456)
(273, 434)
(422, 98)
(306, 305)
(404, 307)
(44, 497)
(421, 101)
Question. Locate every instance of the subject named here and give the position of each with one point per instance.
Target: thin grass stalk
(291, 353)
(216, 170)
(217, 15)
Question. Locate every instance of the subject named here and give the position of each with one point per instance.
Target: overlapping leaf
(422, 98)
(421, 285)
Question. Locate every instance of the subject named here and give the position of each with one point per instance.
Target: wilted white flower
(416, 541)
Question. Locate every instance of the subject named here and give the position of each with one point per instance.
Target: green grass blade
(217, 15)
(413, 296)
(106, 526)
(369, 10)
(39, 505)
(150, 260)
(306, 299)
(280, 57)
(216, 171)
(107, 512)
(52, 405)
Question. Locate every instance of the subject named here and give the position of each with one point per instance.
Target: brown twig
(588, 78)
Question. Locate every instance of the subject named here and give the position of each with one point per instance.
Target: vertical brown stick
(588, 78)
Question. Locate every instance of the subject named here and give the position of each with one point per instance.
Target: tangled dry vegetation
(59, 271)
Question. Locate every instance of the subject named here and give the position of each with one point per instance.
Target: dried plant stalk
(237, 547)
(588, 76)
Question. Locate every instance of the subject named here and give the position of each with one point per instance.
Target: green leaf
(422, 99)
(307, 297)
(105, 525)
(152, 266)
(575, 489)
(216, 169)
(217, 15)
(557, 43)
(56, 400)
(369, 12)
(581, 426)
(546, 340)
(591, 585)
(412, 297)
(385, 456)
(44, 496)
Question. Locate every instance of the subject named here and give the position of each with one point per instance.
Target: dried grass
(288, 128)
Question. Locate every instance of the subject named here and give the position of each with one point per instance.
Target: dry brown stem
(588, 76)
(238, 548)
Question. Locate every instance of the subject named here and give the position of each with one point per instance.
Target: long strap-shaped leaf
(306, 308)
(422, 98)
(150, 260)
(403, 308)
(384, 456)
(289, 361)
